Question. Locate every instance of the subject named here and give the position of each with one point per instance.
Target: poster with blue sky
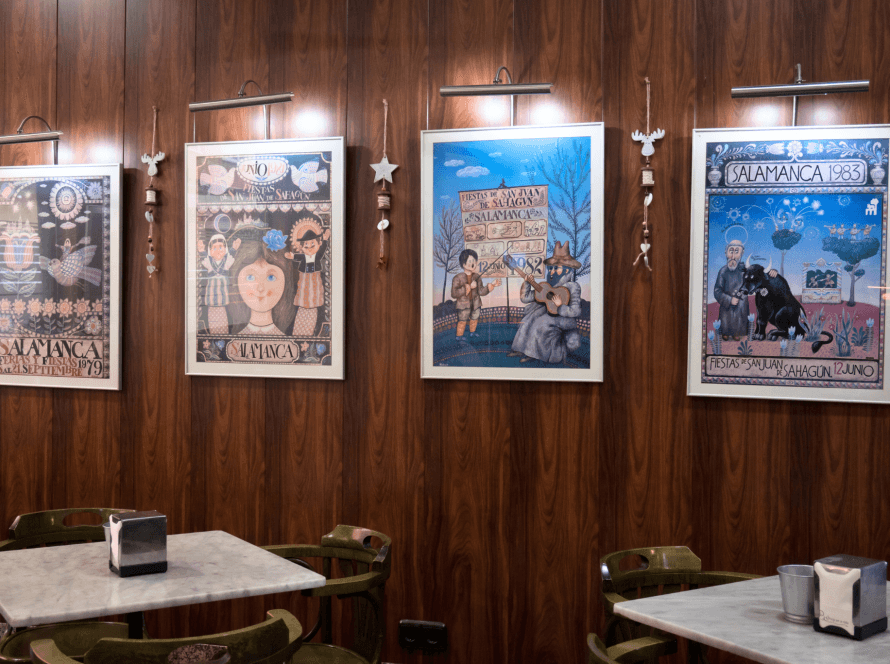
(512, 253)
(788, 286)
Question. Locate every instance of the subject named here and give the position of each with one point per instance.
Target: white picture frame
(60, 267)
(810, 205)
(248, 201)
(537, 224)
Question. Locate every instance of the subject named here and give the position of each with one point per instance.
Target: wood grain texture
(468, 45)
(232, 47)
(742, 43)
(498, 513)
(659, 497)
(90, 98)
(383, 427)
(559, 43)
(555, 498)
(308, 57)
(305, 418)
(160, 467)
(26, 414)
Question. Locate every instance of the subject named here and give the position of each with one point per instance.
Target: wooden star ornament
(383, 170)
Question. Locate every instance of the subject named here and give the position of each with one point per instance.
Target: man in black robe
(733, 308)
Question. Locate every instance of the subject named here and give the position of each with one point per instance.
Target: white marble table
(54, 584)
(746, 618)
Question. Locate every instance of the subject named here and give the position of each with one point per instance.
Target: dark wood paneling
(161, 467)
(555, 502)
(740, 43)
(90, 97)
(498, 515)
(26, 414)
(468, 428)
(383, 427)
(749, 48)
(560, 43)
(305, 418)
(658, 471)
(467, 47)
(157, 417)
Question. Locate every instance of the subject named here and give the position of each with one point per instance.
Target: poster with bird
(788, 287)
(60, 276)
(264, 258)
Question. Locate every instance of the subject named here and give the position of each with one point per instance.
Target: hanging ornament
(151, 194)
(647, 177)
(383, 171)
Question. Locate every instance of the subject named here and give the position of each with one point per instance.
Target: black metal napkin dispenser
(138, 543)
(850, 596)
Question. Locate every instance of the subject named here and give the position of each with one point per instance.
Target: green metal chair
(644, 649)
(664, 569)
(273, 641)
(38, 529)
(363, 571)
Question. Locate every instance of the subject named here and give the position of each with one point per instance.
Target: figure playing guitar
(548, 332)
(550, 297)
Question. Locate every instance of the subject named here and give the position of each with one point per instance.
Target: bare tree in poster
(568, 171)
(448, 242)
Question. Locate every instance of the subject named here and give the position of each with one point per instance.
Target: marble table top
(53, 584)
(746, 618)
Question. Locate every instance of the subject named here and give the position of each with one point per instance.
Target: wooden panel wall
(498, 515)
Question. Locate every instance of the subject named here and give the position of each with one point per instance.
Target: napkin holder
(138, 543)
(850, 596)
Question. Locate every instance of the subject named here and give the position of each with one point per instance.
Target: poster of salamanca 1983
(59, 276)
(789, 263)
(265, 250)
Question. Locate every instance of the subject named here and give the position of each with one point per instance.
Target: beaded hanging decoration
(383, 171)
(647, 177)
(151, 194)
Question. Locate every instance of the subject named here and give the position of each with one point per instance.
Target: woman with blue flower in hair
(261, 300)
(310, 245)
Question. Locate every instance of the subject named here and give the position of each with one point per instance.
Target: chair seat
(323, 653)
(73, 639)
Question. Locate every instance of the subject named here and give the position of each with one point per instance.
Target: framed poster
(789, 263)
(264, 258)
(512, 253)
(60, 263)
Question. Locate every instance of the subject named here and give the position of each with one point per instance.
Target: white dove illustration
(218, 179)
(307, 175)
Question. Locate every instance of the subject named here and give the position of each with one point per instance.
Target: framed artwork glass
(264, 258)
(788, 267)
(512, 253)
(60, 264)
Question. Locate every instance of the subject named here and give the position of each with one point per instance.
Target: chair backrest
(367, 619)
(48, 528)
(597, 651)
(363, 571)
(661, 566)
(273, 641)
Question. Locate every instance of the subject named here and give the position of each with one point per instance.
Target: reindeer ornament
(647, 140)
(647, 177)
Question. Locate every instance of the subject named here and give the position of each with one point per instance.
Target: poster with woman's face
(264, 288)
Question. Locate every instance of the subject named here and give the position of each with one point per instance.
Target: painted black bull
(775, 304)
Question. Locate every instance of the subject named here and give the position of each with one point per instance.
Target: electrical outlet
(428, 637)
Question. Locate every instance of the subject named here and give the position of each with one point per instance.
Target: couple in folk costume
(251, 284)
